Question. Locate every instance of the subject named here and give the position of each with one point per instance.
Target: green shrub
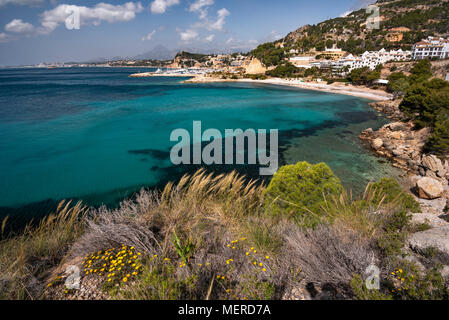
(408, 282)
(254, 289)
(397, 83)
(158, 281)
(286, 70)
(421, 71)
(390, 191)
(425, 101)
(256, 76)
(299, 191)
(184, 249)
(361, 292)
(438, 142)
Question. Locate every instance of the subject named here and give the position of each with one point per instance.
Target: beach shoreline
(338, 88)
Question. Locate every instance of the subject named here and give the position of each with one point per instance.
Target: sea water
(97, 135)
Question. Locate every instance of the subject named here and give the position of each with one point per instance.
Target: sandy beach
(336, 87)
(339, 88)
(152, 74)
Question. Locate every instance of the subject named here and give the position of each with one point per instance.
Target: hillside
(402, 23)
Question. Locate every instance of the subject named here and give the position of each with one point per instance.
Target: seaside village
(342, 62)
(335, 60)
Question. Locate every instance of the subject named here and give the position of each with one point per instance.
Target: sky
(35, 31)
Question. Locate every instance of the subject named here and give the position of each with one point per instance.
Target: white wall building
(431, 48)
(370, 59)
(302, 61)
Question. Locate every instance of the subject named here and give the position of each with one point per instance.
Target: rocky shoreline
(402, 144)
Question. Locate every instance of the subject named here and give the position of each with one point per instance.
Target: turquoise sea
(95, 134)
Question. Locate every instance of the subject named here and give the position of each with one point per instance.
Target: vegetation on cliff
(426, 102)
(223, 237)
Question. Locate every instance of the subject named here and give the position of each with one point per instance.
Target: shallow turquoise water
(97, 135)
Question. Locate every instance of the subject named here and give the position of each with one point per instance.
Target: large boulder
(377, 144)
(429, 188)
(437, 238)
(434, 164)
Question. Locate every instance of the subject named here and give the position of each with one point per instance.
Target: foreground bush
(299, 191)
(389, 190)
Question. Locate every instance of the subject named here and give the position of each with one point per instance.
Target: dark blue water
(95, 134)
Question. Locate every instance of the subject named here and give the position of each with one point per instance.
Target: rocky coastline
(428, 175)
(403, 144)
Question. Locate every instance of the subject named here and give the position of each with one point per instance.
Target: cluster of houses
(341, 62)
(344, 62)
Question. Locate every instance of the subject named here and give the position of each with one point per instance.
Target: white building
(302, 61)
(431, 48)
(370, 59)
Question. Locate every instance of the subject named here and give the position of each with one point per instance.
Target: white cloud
(160, 6)
(149, 36)
(4, 37)
(210, 38)
(51, 19)
(188, 35)
(21, 2)
(219, 23)
(199, 4)
(18, 26)
(201, 7)
(214, 25)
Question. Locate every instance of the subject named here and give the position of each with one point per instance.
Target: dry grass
(26, 259)
(208, 211)
(328, 256)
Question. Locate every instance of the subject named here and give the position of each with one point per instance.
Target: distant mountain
(162, 53)
(157, 53)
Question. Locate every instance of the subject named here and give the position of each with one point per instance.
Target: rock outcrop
(429, 188)
(437, 238)
(402, 144)
(390, 108)
(255, 67)
(428, 218)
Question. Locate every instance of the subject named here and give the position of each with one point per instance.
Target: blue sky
(34, 31)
